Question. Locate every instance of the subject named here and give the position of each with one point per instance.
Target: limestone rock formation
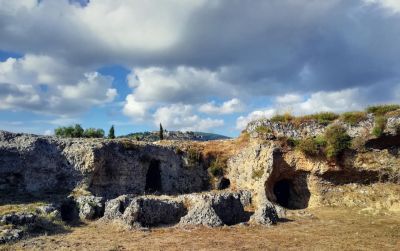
(106, 168)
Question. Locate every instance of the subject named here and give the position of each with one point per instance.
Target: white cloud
(180, 84)
(231, 106)
(392, 5)
(137, 110)
(242, 121)
(181, 117)
(155, 87)
(289, 98)
(46, 85)
(337, 101)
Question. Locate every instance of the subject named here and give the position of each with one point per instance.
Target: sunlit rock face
(103, 167)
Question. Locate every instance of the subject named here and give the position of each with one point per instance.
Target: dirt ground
(313, 229)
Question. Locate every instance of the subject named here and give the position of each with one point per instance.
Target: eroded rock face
(90, 207)
(291, 180)
(107, 168)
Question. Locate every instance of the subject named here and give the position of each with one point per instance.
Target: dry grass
(314, 229)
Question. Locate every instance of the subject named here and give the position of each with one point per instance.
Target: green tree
(93, 133)
(77, 131)
(161, 132)
(111, 133)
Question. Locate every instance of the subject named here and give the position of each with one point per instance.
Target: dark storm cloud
(260, 47)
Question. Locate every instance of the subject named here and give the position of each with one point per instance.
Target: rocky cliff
(139, 184)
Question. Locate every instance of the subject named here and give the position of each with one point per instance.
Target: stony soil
(311, 229)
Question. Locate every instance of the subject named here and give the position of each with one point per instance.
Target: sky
(198, 65)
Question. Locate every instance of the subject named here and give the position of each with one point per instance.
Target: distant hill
(175, 135)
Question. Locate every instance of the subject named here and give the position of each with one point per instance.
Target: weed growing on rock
(193, 156)
(216, 168)
(380, 110)
(380, 125)
(337, 140)
(310, 146)
(257, 174)
(263, 130)
(353, 118)
(323, 118)
(283, 118)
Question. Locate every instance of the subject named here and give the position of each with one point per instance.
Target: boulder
(18, 219)
(202, 214)
(216, 209)
(115, 208)
(9, 235)
(90, 207)
(150, 212)
(265, 215)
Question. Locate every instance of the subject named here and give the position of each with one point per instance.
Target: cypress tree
(111, 133)
(161, 132)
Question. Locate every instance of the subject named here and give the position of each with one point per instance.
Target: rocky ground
(316, 229)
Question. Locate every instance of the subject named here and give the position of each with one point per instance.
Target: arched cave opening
(291, 194)
(153, 177)
(283, 191)
(223, 183)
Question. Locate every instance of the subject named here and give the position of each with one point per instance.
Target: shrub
(380, 110)
(310, 146)
(358, 143)
(93, 133)
(194, 156)
(353, 118)
(69, 131)
(292, 141)
(380, 125)
(216, 168)
(337, 140)
(263, 130)
(284, 118)
(323, 118)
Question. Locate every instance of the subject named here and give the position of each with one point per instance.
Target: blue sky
(192, 65)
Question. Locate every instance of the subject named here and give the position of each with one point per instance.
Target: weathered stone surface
(313, 128)
(265, 215)
(115, 208)
(149, 212)
(107, 168)
(9, 235)
(216, 209)
(90, 207)
(202, 214)
(18, 219)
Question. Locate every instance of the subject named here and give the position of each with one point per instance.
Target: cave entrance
(292, 193)
(283, 191)
(153, 177)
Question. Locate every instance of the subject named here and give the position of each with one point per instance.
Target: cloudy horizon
(197, 65)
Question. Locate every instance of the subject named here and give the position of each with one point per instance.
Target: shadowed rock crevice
(153, 178)
(287, 186)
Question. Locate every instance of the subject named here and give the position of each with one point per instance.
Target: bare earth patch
(311, 229)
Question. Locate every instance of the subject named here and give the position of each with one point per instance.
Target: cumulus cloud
(242, 121)
(45, 85)
(337, 101)
(231, 106)
(181, 117)
(308, 54)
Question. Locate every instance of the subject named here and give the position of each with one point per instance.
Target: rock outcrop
(140, 185)
(106, 168)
